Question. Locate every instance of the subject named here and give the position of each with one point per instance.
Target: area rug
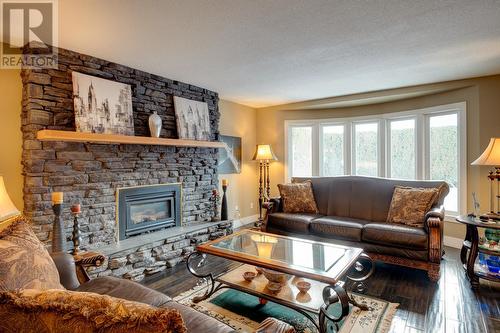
(244, 312)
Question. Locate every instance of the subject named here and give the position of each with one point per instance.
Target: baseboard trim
(245, 220)
(453, 242)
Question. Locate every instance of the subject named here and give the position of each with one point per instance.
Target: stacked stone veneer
(89, 174)
(154, 257)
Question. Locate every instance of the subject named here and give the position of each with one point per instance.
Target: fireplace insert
(145, 209)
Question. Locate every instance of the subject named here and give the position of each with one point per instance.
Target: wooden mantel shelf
(53, 135)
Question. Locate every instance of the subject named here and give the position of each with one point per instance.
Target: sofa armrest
(271, 206)
(436, 211)
(435, 231)
(87, 259)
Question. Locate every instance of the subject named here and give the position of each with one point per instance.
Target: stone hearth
(90, 174)
(136, 257)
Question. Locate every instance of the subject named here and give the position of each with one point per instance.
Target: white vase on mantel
(155, 125)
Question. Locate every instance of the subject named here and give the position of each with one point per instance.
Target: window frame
(422, 129)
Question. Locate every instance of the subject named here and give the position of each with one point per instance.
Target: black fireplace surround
(148, 208)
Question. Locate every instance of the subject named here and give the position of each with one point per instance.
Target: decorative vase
(154, 125)
(223, 210)
(492, 235)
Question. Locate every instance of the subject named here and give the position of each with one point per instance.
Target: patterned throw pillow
(298, 198)
(61, 311)
(409, 205)
(24, 261)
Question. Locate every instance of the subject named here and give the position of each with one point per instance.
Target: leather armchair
(73, 276)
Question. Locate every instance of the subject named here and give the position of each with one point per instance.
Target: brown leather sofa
(353, 211)
(73, 276)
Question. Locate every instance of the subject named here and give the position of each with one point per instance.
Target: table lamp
(264, 154)
(491, 157)
(7, 208)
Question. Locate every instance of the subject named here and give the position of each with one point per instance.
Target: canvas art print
(230, 157)
(193, 121)
(102, 106)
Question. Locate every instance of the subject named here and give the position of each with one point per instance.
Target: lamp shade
(264, 152)
(491, 155)
(7, 208)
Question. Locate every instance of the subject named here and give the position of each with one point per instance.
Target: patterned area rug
(243, 312)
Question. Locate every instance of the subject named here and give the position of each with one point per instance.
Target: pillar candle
(225, 182)
(76, 209)
(57, 198)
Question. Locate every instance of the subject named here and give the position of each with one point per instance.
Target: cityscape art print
(102, 106)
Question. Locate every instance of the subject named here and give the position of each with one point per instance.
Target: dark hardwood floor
(447, 306)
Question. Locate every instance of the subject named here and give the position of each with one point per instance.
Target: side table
(470, 250)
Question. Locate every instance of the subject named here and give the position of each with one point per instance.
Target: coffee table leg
(331, 295)
(363, 269)
(192, 267)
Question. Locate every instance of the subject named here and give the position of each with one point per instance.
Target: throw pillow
(24, 261)
(298, 198)
(61, 311)
(409, 205)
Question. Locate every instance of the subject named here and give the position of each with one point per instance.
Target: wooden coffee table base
(317, 300)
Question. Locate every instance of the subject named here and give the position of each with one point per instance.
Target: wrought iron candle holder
(77, 236)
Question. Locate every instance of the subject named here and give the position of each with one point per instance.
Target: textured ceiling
(268, 52)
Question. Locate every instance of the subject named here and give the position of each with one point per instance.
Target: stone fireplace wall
(89, 174)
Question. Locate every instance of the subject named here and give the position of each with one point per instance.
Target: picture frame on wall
(229, 159)
(193, 120)
(102, 106)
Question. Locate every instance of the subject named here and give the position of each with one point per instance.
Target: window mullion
(382, 149)
(315, 149)
(420, 147)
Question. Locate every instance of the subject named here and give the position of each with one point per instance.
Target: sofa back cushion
(364, 198)
(24, 261)
(53, 311)
(298, 198)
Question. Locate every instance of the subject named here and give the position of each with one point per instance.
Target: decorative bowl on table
(249, 276)
(274, 287)
(303, 286)
(274, 276)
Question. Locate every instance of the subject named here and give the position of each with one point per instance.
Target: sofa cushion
(409, 205)
(291, 222)
(53, 311)
(396, 235)
(24, 261)
(126, 289)
(338, 227)
(298, 198)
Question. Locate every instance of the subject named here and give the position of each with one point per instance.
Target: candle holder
(58, 239)
(77, 236)
(223, 211)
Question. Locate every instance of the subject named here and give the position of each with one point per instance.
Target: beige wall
(482, 96)
(239, 120)
(10, 134)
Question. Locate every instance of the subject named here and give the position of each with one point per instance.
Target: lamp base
(490, 216)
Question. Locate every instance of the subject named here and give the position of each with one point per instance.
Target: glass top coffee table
(324, 265)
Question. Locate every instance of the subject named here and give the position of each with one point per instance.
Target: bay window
(418, 144)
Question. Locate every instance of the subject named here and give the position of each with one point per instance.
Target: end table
(470, 250)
